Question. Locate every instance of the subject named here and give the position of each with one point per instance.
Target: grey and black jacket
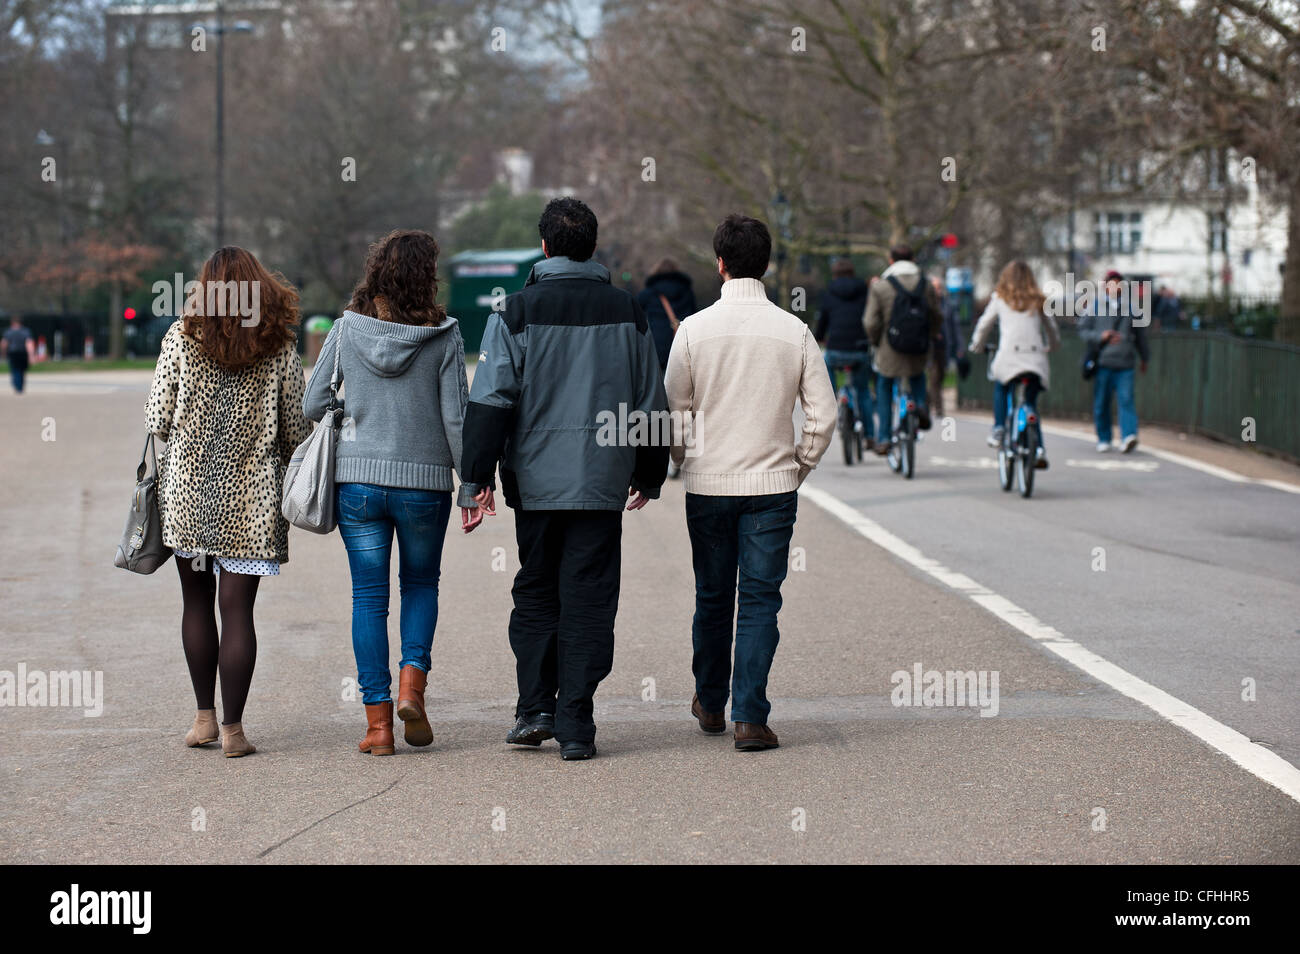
(1124, 353)
(568, 352)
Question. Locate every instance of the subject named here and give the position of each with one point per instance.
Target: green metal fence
(1204, 383)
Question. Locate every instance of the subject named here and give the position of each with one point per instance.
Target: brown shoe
(714, 723)
(750, 737)
(410, 706)
(379, 735)
(204, 729)
(233, 741)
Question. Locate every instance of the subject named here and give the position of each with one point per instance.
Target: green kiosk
(480, 278)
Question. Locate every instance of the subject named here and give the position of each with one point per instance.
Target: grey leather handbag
(308, 498)
(142, 549)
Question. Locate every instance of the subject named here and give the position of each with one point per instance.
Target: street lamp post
(45, 139)
(219, 29)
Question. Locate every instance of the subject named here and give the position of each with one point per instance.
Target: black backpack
(909, 319)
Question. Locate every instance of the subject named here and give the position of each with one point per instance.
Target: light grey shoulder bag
(141, 549)
(308, 499)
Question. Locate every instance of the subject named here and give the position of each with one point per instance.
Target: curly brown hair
(401, 280)
(239, 311)
(1017, 287)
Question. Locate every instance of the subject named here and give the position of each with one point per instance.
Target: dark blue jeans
(885, 388)
(859, 365)
(1119, 383)
(368, 517)
(17, 369)
(745, 538)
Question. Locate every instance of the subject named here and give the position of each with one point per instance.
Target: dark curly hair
(401, 280)
(568, 227)
(213, 311)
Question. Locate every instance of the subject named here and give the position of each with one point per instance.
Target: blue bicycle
(851, 423)
(907, 423)
(1021, 439)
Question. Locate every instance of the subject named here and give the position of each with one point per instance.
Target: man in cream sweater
(734, 374)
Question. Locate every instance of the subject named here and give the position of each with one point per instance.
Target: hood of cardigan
(387, 348)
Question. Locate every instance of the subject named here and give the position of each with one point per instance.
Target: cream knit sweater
(734, 374)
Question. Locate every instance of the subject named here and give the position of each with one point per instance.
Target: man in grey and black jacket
(566, 371)
(1117, 327)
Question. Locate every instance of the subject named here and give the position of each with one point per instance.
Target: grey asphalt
(1194, 598)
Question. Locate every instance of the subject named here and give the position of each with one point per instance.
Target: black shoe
(532, 730)
(577, 751)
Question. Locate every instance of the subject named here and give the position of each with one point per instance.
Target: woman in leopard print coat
(227, 400)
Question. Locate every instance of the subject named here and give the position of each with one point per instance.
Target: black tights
(235, 653)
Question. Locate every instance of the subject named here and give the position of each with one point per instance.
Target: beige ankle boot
(233, 742)
(204, 729)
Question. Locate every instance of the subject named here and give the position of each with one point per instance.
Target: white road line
(1256, 759)
(1182, 460)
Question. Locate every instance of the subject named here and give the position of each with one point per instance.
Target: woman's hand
(471, 517)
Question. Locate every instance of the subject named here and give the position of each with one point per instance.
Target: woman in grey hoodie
(402, 365)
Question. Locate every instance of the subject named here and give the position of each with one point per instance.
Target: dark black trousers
(562, 626)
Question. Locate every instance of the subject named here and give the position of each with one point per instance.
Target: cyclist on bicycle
(1026, 333)
(839, 329)
(902, 321)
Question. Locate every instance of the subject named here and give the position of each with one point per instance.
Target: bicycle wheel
(859, 442)
(1006, 458)
(846, 433)
(909, 447)
(1027, 451)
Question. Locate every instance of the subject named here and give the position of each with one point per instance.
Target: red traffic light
(949, 240)
(128, 314)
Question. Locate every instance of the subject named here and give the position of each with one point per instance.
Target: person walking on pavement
(735, 373)
(19, 351)
(902, 320)
(839, 328)
(667, 300)
(402, 362)
(227, 399)
(1122, 347)
(568, 352)
(937, 367)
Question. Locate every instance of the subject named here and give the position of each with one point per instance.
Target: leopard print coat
(229, 438)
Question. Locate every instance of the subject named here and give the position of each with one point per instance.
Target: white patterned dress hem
(239, 564)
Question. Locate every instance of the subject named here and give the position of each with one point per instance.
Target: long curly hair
(240, 312)
(401, 280)
(1017, 287)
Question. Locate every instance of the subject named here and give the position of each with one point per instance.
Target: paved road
(875, 782)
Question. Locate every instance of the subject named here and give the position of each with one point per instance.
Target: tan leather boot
(410, 706)
(379, 734)
(204, 729)
(233, 742)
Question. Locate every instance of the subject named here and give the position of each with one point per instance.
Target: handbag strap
(668, 310)
(334, 377)
(144, 457)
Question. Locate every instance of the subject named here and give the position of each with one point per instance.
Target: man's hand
(1108, 336)
(486, 501)
(637, 499)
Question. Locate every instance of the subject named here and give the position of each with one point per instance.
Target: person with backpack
(902, 321)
